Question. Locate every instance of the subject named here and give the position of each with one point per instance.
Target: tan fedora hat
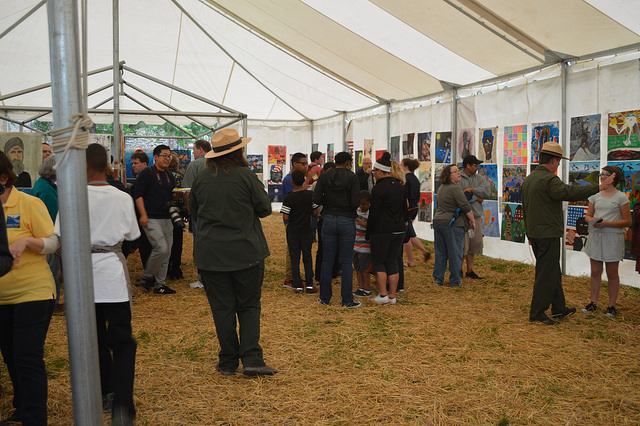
(553, 148)
(225, 141)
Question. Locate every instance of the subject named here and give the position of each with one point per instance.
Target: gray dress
(607, 244)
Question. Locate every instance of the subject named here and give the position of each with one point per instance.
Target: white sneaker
(383, 300)
(196, 284)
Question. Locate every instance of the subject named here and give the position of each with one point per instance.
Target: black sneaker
(352, 304)
(611, 312)
(591, 307)
(543, 319)
(472, 275)
(564, 313)
(361, 292)
(164, 290)
(146, 283)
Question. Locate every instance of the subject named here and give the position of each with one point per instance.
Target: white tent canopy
(305, 60)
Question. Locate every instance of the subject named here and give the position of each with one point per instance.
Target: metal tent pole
(565, 146)
(64, 50)
(454, 124)
(373, 154)
(118, 154)
(344, 132)
(245, 125)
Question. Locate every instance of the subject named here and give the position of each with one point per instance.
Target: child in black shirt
(297, 209)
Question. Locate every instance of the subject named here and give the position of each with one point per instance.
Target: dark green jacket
(542, 195)
(228, 207)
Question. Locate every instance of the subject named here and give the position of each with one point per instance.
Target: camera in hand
(175, 214)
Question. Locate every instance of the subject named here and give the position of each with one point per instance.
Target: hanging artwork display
(331, 152)
(368, 148)
(394, 148)
(275, 174)
(276, 192)
(359, 159)
(25, 152)
(127, 160)
(512, 180)
(407, 145)
(314, 147)
(350, 148)
(424, 176)
(515, 145)
(379, 153)
(184, 158)
(490, 173)
(584, 138)
(465, 144)
(577, 228)
(277, 154)
(490, 223)
(631, 187)
(424, 207)
(437, 169)
(541, 133)
(512, 223)
(424, 146)
(623, 137)
(256, 163)
(443, 147)
(487, 151)
(583, 173)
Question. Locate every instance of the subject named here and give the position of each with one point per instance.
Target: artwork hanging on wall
(577, 228)
(256, 163)
(379, 153)
(443, 147)
(368, 148)
(631, 185)
(465, 144)
(127, 160)
(359, 158)
(394, 148)
(424, 146)
(515, 145)
(424, 176)
(584, 138)
(490, 173)
(583, 173)
(275, 174)
(407, 145)
(331, 153)
(512, 223)
(424, 207)
(184, 158)
(487, 151)
(350, 148)
(24, 150)
(623, 136)
(277, 154)
(276, 192)
(437, 169)
(490, 223)
(512, 180)
(541, 133)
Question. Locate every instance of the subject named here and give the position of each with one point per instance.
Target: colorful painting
(331, 153)
(350, 148)
(255, 163)
(515, 145)
(437, 169)
(465, 144)
(275, 174)
(623, 136)
(631, 184)
(584, 138)
(368, 148)
(512, 223)
(394, 148)
(512, 180)
(276, 192)
(541, 133)
(379, 153)
(577, 228)
(184, 158)
(488, 148)
(424, 207)
(443, 147)
(424, 146)
(359, 159)
(424, 176)
(490, 223)
(25, 152)
(407, 145)
(277, 154)
(490, 173)
(583, 173)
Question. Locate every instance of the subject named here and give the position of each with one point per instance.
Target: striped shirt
(361, 245)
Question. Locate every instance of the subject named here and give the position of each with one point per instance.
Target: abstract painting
(512, 223)
(277, 154)
(490, 223)
(541, 133)
(394, 148)
(512, 180)
(424, 207)
(584, 138)
(515, 145)
(623, 136)
(424, 176)
(490, 173)
(443, 147)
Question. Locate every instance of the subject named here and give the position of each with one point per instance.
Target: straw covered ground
(440, 356)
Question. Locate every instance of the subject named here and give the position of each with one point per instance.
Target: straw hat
(553, 148)
(225, 141)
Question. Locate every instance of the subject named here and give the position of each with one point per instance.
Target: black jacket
(338, 192)
(363, 177)
(388, 211)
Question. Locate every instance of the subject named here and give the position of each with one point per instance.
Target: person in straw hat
(227, 201)
(542, 195)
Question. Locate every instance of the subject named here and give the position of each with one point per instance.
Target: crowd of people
(362, 222)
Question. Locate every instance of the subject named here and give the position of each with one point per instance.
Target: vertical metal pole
(373, 154)
(64, 50)
(565, 147)
(454, 124)
(345, 147)
(244, 126)
(311, 131)
(117, 154)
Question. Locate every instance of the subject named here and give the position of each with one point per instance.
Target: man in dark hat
(542, 195)
(14, 148)
(476, 188)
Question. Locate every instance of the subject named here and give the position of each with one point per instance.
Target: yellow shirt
(31, 279)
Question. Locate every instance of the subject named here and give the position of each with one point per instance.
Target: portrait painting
(24, 150)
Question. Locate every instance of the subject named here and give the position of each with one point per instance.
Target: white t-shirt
(112, 219)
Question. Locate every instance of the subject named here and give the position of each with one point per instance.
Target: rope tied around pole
(61, 139)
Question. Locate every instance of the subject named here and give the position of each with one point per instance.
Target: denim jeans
(449, 244)
(338, 233)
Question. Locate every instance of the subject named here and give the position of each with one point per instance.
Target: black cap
(470, 159)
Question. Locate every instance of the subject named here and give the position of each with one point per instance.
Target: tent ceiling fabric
(308, 59)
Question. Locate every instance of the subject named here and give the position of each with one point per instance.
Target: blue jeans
(338, 233)
(449, 245)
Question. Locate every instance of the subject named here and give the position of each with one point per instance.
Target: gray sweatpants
(160, 234)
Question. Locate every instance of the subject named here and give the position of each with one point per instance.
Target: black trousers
(300, 243)
(175, 260)
(236, 295)
(117, 352)
(547, 287)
